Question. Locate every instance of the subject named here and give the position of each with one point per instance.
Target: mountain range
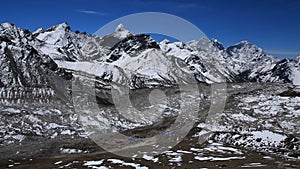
(48, 79)
(37, 58)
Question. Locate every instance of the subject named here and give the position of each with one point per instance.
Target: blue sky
(273, 25)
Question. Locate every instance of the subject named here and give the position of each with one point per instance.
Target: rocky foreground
(258, 128)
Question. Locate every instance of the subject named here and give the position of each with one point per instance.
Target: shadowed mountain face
(21, 64)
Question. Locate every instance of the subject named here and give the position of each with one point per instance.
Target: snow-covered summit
(120, 28)
(62, 26)
(7, 25)
(248, 56)
(217, 44)
(56, 35)
(121, 32)
(21, 64)
(61, 43)
(13, 33)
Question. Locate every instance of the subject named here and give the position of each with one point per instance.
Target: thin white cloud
(175, 4)
(187, 5)
(92, 12)
(281, 52)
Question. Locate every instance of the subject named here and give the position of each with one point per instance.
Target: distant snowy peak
(200, 45)
(7, 26)
(202, 58)
(132, 46)
(61, 43)
(120, 28)
(121, 32)
(248, 56)
(217, 44)
(247, 51)
(37, 31)
(56, 35)
(11, 34)
(115, 37)
(20, 63)
(63, 26)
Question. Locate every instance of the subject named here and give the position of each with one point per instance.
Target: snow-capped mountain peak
(37, 31)
(62, 27)
(250, 52)
(7, 25)
(55, 35)
(120, 27)
(11, 34)
(217, 44)
(9, 29)
(245, 42)
(20, 63)
(121, 32)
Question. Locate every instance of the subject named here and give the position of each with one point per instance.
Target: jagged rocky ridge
(21, 64)
(137, 61)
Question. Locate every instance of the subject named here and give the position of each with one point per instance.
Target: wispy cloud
(187, 5)
(92, 12)
(178, 5)
(281, 52)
